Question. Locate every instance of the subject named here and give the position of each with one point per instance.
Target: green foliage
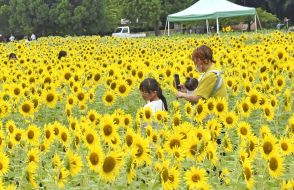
(58, 17)
(267, 19)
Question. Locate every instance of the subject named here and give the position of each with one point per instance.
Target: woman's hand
(182, 88)
(180, 94)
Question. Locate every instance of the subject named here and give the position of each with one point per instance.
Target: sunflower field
(78, 122)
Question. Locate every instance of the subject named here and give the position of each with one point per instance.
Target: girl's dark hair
(150, 85)
(12, 55)
(191, 83)
(62, 54)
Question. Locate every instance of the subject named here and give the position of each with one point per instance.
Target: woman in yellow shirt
(211, 83)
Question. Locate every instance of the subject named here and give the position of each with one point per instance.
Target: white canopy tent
(210, 9)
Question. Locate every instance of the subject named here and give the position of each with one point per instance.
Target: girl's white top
(155, 105)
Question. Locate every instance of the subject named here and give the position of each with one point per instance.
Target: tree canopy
(88, 17)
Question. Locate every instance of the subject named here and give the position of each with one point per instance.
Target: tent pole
(207, 25)
(255, 23)
(168, 28)
(217, 26)
(259, 21)
(165, 27)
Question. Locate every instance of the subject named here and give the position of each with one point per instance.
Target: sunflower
(174, 140)
(200, 111)
(92, 116)
(108, 98)
(147, 114)
(244, 129)
(26, 108)
(149, 131)
(71, 100)
(230, 119)
(275, 165)
(31, 174)
(49, 134)
(273, 101)
(287, 100)
(61, 177)
(94, 157)
(90, 137)
(122, 88)
(215, 127)
(75, 163)
(227, 143)
(253, 98)
(129, 137)
(117, 118)
(264, 131)
(127, 121)
(33, 155)
(268, 146)
(176, 105)
(4, 163)
(32, 134)
(161, 116)
(191, 147)
(107, 128)
(252, 146)
(248, 174)
(176, 120)
(210, 104)
(174, 177)
(50, 98)
(141, 151)
(194, 177)
(286, 145)
(10, 127)
(245, 108)
(2, 140)
(188, 109)
(111, 166)
(64, 136)
(17, 135)
(56, 161)
(131, 172)
(81, 96)
(279, 82)
(291, 125)
(268, 112)
(211, 151)
(220, 106)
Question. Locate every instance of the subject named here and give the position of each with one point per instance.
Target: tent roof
(210, 9)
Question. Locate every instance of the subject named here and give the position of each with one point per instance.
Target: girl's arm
(190, 97)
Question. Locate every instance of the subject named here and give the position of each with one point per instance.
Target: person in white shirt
(33, 37)
(11, 38)
(152, 94)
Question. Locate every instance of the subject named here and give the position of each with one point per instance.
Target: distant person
(286, 20)
(61, 54)
(279, 26)
(12, 56)
(33, 37)
(11, 38)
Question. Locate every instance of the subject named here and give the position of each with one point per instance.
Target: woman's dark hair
(203, 52)
(151, 85)
(191, 83)
(62, 54)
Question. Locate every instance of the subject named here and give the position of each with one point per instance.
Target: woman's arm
(190, 97)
